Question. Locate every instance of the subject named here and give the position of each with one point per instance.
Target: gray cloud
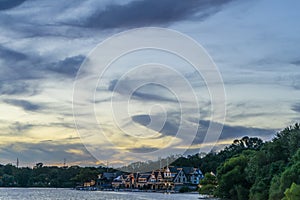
(233, 132)
(151, 97)
(11, 55)
(143, 149)
(9, 4)
(18, 127)
(26, 105)
(63, 124)
(17, 88)
(229, 132)
(69, 66)
(149, 92)
(296, 62)
(170, 127)
(46, 151)
(18, 66)
(142, 119)
(148, 12)
(295, 81)
(296, 107)
(18, 69)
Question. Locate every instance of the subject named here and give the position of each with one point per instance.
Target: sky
(44, 46)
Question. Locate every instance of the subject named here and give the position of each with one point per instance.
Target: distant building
(168, 178)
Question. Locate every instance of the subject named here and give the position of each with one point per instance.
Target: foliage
(208, 184)
(251, 169)
(209, 179)
(86, 174)
(47, 176)
(184, 189)
(231, 178)
(292, 193)
(270, 162)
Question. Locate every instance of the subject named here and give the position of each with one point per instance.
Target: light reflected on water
(64, 194)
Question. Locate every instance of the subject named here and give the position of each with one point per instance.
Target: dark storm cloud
(26, 105)
(69, 66)
(149, 12)
(9, 4)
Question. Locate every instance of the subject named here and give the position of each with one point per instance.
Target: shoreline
(104, 190)
(132, 190)
(200, 196)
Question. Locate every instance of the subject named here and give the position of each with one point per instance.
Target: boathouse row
(169, 178)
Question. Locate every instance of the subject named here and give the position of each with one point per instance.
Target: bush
(207, 189)
(292, 193)
(184, 189)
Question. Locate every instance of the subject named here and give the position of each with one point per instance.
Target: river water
(67, 194)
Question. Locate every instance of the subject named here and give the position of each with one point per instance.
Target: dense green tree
(232, 177)
(274, 192)
(8, 180)
(86, 174)
(292, 193)
(208, 185)
(23, 176)
(270, 161)
(45, 176)
(290, 175)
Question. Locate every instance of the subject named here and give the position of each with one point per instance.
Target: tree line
(247, 169)
(251, 169)
(48, 176)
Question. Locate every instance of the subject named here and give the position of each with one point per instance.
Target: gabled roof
(119, 178)
(174, 169)
(179, 170)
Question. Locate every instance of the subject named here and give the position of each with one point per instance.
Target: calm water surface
(47, 194)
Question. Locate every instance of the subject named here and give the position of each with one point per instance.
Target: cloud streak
(25, 105)
(149, 92)
(149, 13)
(68, 66)
(172, 124)
(49, 152)
(9, 4)
(296, 107)
(19, 128)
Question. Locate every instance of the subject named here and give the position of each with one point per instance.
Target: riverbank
(147, 191)
(64, 194)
